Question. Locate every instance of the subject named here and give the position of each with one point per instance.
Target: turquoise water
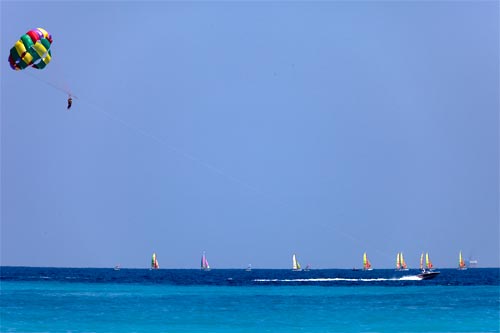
(90, 302)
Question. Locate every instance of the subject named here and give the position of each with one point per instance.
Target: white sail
(295, 263)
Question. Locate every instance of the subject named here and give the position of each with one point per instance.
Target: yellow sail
(402, 261)
(428, 263)
(366, 262)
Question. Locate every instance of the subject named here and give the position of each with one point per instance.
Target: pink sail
(204, 263)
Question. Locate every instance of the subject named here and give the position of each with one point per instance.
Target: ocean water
(135, 300)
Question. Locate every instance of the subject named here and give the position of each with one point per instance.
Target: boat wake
(403, 278)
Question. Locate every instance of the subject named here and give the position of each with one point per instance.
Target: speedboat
(428, 274)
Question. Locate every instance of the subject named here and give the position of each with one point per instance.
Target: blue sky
(252, 131)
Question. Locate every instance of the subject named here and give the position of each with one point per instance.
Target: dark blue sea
(170, 300)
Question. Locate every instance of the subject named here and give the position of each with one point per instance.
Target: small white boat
(472, 263)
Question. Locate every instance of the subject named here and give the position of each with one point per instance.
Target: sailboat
(428, 262)
(400, 262)
(249, 268)
(154, 262)
(367, 266)
(427, 270)
(295, 264)
(204, 263)
(461, 262)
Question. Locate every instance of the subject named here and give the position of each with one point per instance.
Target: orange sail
(428, 262)
(400, 262)
(461, 262)
(366, 263)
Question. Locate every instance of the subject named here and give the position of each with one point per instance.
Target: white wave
(404, 278)
(410, 278)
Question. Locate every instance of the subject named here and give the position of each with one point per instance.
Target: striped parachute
(32, 49)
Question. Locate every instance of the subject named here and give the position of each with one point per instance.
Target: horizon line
(228, 268)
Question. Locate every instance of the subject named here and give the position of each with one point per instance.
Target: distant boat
(400, 262)
(295, 264)
(461, 262)
(367, 266)
(154, 262)
(308, 267)
(472, 263)
(427, 270)
(428, 262)
(249, 268)
(204, 263)
(116, 268)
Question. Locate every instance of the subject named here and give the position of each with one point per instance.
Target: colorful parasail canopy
(32, 49)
